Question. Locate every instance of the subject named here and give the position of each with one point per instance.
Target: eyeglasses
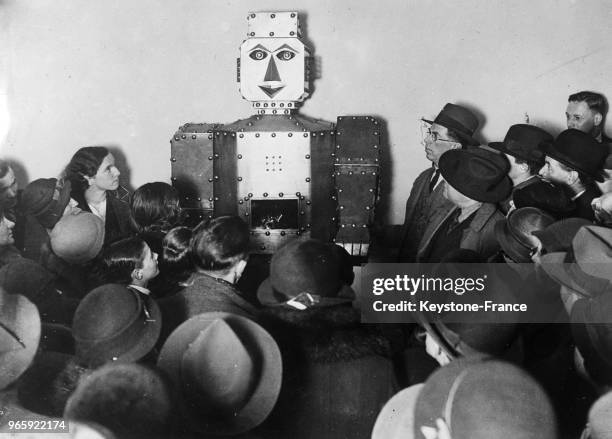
(426, 133)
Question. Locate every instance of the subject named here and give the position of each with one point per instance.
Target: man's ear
(137, 274)
(572, 177)
(597, 118)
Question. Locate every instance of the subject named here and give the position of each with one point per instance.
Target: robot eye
(285, 55)
(258, 55)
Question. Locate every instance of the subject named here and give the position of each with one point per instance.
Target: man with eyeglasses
(453, 128)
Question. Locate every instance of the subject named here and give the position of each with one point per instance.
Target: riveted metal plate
(357, 139)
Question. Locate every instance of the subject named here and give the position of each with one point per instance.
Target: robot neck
(276, 108)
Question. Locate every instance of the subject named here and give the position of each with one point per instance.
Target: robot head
(273, 63)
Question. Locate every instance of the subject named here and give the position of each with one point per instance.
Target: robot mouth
(272, 89)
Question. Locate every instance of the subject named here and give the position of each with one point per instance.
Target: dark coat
(117, 223)
(202, 294)
(583, 203)
(421, 206)
(337, 373)
(478, 236)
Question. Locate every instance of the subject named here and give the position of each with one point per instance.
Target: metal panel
(357, 140)
(192, 169)
(224, 178)
(324, 218)
(357, 189)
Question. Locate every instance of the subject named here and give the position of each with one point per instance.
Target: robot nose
(272, 71)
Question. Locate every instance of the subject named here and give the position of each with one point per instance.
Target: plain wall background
(127, 73)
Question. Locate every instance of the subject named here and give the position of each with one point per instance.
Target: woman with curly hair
(95, 186)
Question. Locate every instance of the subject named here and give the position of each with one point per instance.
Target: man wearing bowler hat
(573, 161)
(453, 128)
(523, 148)
(475, 181)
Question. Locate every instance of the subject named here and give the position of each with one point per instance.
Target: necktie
(434, 180)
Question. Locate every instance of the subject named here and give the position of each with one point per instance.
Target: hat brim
(27, 326)
(555, 266)
(493, 195)
(508, 243)
(266, 392)
(552, 153)
(465, 137)
(266, 297)
(396, 419)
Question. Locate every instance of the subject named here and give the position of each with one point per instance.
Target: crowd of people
(121, 320)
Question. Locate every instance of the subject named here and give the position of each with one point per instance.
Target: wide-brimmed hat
(396, 419)
(558, 236)
(459, 119)
(228, 370)
(78, 238)
(524, 142)
(591, 324)
(19, 336)
(579, 151)
(485, 399)
(129, 399)
(114, 323)
(514, 232)
(477, 173)
(585, 268)
(308, 272)
(46, 199)
(544, 195)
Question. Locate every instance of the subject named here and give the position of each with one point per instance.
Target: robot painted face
(273, 67)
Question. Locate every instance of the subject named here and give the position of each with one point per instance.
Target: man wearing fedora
(573, 161)
(522, 147)
(453, 128)
(475, 181)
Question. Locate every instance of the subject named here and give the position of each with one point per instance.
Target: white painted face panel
(273, 70)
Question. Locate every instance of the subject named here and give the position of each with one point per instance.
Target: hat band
(517, 149)
(455, 125)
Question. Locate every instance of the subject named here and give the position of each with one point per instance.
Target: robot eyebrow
(287, 46)
(259, 46)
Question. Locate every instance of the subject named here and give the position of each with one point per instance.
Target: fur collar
(325, 335)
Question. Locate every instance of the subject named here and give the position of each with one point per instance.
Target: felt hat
(558, 236)
(28, 278)
(600, 421)
(310, 272)
(544, 195)
(129, 399)
(78, 238)
(19, 336)
(477, 173)
(45, 387)
(591, 325)
(585, 268)
(524, 142)
(46, 199)
(458, 119)
(396, 419)
(114, 323)
(514, 232)
(485, 399)
(228, 370)
(579, 151)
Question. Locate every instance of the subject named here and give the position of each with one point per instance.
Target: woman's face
(6, 232)
(107, 177)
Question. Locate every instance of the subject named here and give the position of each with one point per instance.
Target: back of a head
(219, 243)
(85, 162)
(119, 259)
(176, 253)
(154, 206)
